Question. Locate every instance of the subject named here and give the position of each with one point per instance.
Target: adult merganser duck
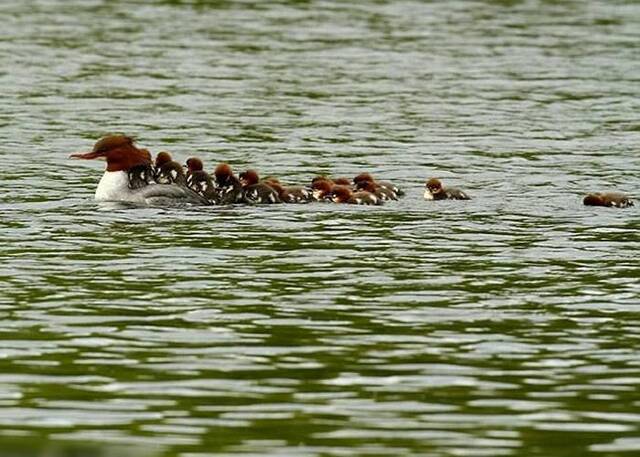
(122, 157)
(256, 192)
(435, 191)
(342, 194)
(386, 184)
(611, 199)
(168, 170)
(199, 180)
(229, 187)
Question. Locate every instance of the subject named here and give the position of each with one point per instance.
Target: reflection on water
(503, 325)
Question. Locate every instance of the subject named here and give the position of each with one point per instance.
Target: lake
(506, 325)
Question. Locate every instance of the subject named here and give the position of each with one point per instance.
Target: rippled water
(506, 325)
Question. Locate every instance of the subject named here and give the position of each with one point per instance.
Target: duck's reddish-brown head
(194, 164)
(223, 170)
(341, 194)
(119, 152)
(322, 184)
(224, 174)
(362, 177)
(162, 158)
(249, 177)
(434, 185)
(322, 189)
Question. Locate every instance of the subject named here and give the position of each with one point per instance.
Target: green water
(507, 325)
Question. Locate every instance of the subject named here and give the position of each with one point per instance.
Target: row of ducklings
(224, 187)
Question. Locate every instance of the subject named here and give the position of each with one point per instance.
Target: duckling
(290, 194)
(168, 171)
(386, 184)
(342, 194)
(610, 199)
(435, 191)
(143, 174)
(199, 180)
(256, 192)
(383, 193)
(228, 186)
(321, 190)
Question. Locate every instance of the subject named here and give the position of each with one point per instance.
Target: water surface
(503, 326)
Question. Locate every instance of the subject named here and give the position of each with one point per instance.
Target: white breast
(114, 185)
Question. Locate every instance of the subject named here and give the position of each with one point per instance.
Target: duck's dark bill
(87, 155)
